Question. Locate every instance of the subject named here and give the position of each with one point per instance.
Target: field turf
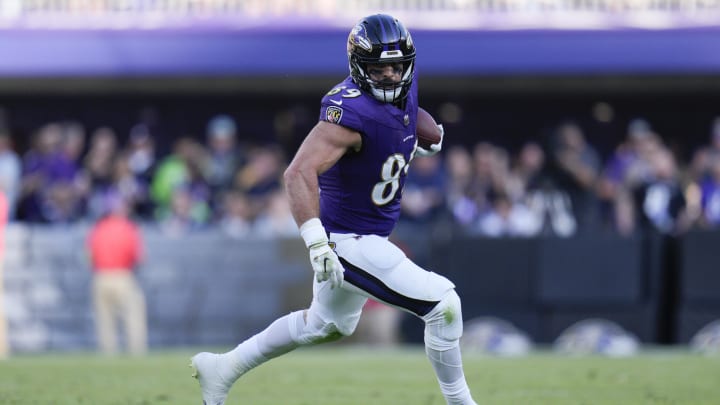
(355, 376)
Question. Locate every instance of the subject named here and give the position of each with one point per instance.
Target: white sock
(448, 369)
(274, 341)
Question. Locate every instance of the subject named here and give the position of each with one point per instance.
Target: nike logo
(407, 138)
(336, 102)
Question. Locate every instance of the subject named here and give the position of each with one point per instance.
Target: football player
(344, 186)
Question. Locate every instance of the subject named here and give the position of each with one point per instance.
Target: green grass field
(353, 376)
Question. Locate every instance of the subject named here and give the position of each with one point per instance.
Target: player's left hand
(434, 148)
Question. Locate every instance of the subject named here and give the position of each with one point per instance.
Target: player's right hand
(326, 264)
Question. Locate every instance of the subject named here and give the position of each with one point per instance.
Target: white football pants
(375, 268)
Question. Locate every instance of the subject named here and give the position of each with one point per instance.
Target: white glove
(325, 262)
(434, 148)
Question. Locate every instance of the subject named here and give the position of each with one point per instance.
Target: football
(427, 130)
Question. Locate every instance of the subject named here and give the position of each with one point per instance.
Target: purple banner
(309, 52)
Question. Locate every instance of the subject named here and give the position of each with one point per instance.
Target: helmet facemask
(385, 91)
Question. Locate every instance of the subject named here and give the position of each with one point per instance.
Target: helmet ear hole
(381, 39)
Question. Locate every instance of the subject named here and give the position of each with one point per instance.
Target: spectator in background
(276, 220)
(99, 163)
(491, 166)
(225, 157)
(627, 168)
(703, 161)
(710, 195)
(37, 173)
(71, 196)
(490, 171)
(180, 193)
(188, 211)
(620, 213)
(64, 204)
(127, 185)
(508, 213)
(10, 172)
(116, 249)
(49, 191)
(552, 205)
(526, 170)
(424, 191)
(178, 169)
(73, 141)
(629, 164)
(236, 217)
(149, 126)
(141, 152)
(141, 160)
(99, 159)
(660, 201)
(459, 168)
(506, 218)
(261, 176)
(575, 166)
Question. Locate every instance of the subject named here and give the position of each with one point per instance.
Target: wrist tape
(313, 233)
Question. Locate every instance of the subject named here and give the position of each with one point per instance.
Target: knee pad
(444, 324)
(311, 329)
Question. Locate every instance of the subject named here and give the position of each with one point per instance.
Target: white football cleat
(214, 387)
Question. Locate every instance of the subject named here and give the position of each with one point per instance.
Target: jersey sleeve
(342, 108)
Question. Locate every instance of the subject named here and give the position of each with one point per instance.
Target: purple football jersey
(361, 192)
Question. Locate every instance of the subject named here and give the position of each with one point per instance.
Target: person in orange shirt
(116, 248)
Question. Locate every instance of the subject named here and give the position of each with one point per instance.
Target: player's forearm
(302, 191)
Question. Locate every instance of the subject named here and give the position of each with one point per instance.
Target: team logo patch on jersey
(333, 114)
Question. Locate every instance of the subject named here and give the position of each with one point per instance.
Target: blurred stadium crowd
(560, 187)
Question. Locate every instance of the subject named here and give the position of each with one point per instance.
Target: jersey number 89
(385, 190)
(349, 93)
